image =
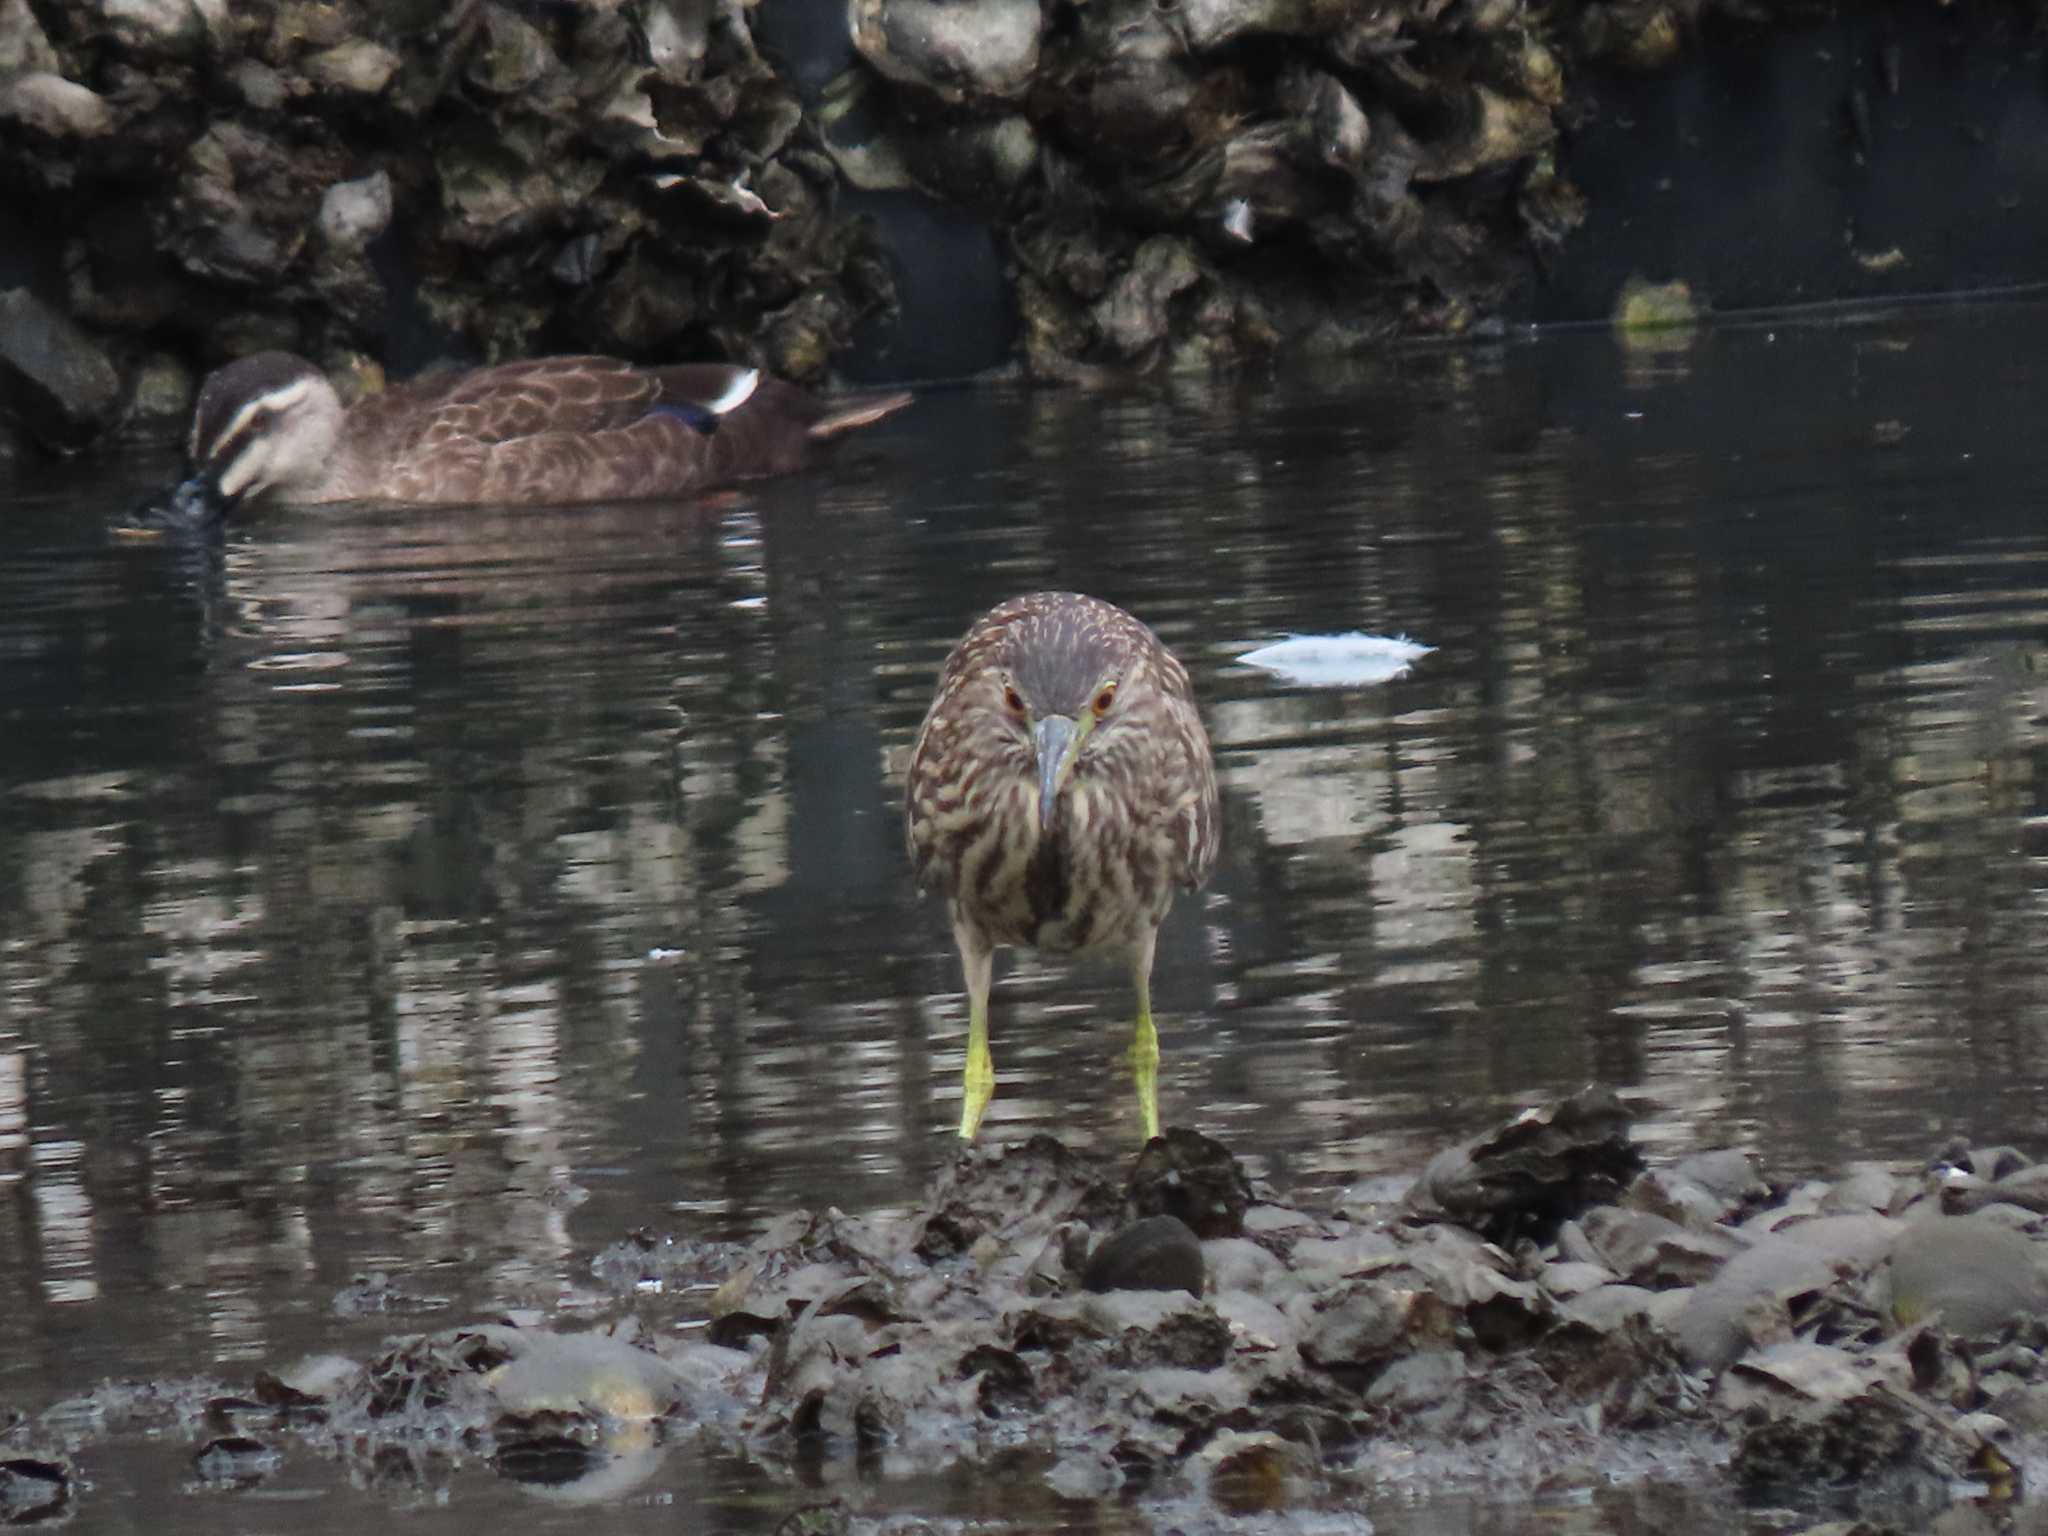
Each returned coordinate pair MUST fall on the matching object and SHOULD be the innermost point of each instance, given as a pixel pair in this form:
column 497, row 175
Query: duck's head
column 264, row 423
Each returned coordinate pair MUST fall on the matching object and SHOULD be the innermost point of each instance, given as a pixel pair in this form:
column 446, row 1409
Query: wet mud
column 1541, row 1307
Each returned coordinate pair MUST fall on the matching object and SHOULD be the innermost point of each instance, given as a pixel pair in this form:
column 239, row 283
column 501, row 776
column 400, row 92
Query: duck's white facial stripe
column 278, row 438
column 277, row 401
column 737, row 393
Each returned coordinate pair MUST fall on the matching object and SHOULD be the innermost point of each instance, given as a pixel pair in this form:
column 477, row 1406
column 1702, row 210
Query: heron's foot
column 1145, row 1073
column 977, row 1087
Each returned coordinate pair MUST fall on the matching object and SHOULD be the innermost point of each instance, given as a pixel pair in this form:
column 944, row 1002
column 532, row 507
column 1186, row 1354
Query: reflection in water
column 450, row 892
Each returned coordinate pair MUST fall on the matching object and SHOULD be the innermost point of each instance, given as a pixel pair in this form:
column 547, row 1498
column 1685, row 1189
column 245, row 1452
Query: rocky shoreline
column 1537, row 1310
column 382, row 186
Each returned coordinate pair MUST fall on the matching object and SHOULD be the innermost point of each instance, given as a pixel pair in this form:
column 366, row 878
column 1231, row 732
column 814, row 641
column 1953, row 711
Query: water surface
column 448, row 893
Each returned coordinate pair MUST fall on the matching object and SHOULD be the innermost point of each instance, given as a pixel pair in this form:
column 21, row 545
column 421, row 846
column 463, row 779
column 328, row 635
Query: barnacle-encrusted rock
column 955, row 49
column 47, row 103
column 358, row 66
column 24, row 46
column 245, row 204
column 512, row 56
column 142, row 25
column 1134, row 317
column 1764, row 1292
column 529, row 177
column 1211, row 23
column 1341, row 1345
column 1542, row 1168
column 1974, row 1274
column 1166, row 185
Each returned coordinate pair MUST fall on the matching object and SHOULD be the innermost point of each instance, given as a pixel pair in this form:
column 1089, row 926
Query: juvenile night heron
column 1060, row 792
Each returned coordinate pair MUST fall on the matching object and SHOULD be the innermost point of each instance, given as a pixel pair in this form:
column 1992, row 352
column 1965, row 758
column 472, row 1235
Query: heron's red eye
column 1105, row 698
column 1013, row 701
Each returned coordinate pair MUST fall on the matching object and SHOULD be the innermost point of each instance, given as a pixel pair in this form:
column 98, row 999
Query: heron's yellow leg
column 1145, row 1042
column 978, row 1078
column 978, row 1081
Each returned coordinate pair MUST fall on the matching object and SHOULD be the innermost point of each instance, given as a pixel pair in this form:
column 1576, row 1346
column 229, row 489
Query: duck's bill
column 195, row 502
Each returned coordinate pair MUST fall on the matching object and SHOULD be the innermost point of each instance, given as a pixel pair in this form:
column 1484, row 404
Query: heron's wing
column 1194, row 817
column 1196, row 830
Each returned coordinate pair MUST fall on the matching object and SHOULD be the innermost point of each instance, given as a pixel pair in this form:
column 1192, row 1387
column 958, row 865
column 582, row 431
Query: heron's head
column 1070, row 673
column 264, row 423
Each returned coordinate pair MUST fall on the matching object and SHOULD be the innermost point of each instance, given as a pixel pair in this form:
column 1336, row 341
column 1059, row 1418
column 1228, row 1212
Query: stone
column 1212, row 23
column 1251, row 1473
column 513, row 56
column 53, row 376
column 1497, row 129
column 145, row 25
column 1158, row 1253
column 159, row 398
column 1329, row 1258
column 677, row 37
column 954, row 48
column 1748, row 1302
column 24, row 47
column 353, row 213
column 244, row 203
column 582, row 1374
column 1238, row 1263
column 1361, row 1325
column 259, row 85
column 1604, row 1308
column 1654, row 1251
column 1417, row 1381
column 1256, row 1324
column 1535, row 1172
column 1570, row 1278
column 1662, row 1192
column 50, row 104
column 360, row 66
column 1133, row 318
column 1863, row 1187
column 1974, row 1274
column 34, row 1489
column 1193, row 1177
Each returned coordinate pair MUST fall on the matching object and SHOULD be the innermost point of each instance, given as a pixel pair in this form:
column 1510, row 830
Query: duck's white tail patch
column 735, row 394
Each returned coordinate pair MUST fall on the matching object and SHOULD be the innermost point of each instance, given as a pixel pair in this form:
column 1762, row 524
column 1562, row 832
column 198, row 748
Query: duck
column 270, row 427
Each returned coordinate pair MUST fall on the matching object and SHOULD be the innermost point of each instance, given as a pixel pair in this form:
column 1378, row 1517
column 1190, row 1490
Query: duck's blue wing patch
column 699, row 418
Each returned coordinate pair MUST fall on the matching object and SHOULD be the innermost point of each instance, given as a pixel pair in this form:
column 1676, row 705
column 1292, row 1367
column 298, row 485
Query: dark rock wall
column 1182, row 182
column 1879, row 151
column 939, row 185
column 408, row 180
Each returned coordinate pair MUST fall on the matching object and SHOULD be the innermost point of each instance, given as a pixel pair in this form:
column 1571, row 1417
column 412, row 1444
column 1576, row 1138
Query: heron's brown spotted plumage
column 1137, row 821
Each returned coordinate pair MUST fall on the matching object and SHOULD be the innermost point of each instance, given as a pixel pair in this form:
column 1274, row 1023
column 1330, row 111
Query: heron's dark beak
column 194, row 502
column 1058, row 741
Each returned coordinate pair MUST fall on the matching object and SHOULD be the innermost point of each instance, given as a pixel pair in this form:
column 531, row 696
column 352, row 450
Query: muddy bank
column 1117, row 184
column 1538, row 1310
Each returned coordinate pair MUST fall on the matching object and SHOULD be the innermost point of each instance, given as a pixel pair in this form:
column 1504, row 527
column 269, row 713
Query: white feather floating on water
column 1356, row 660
